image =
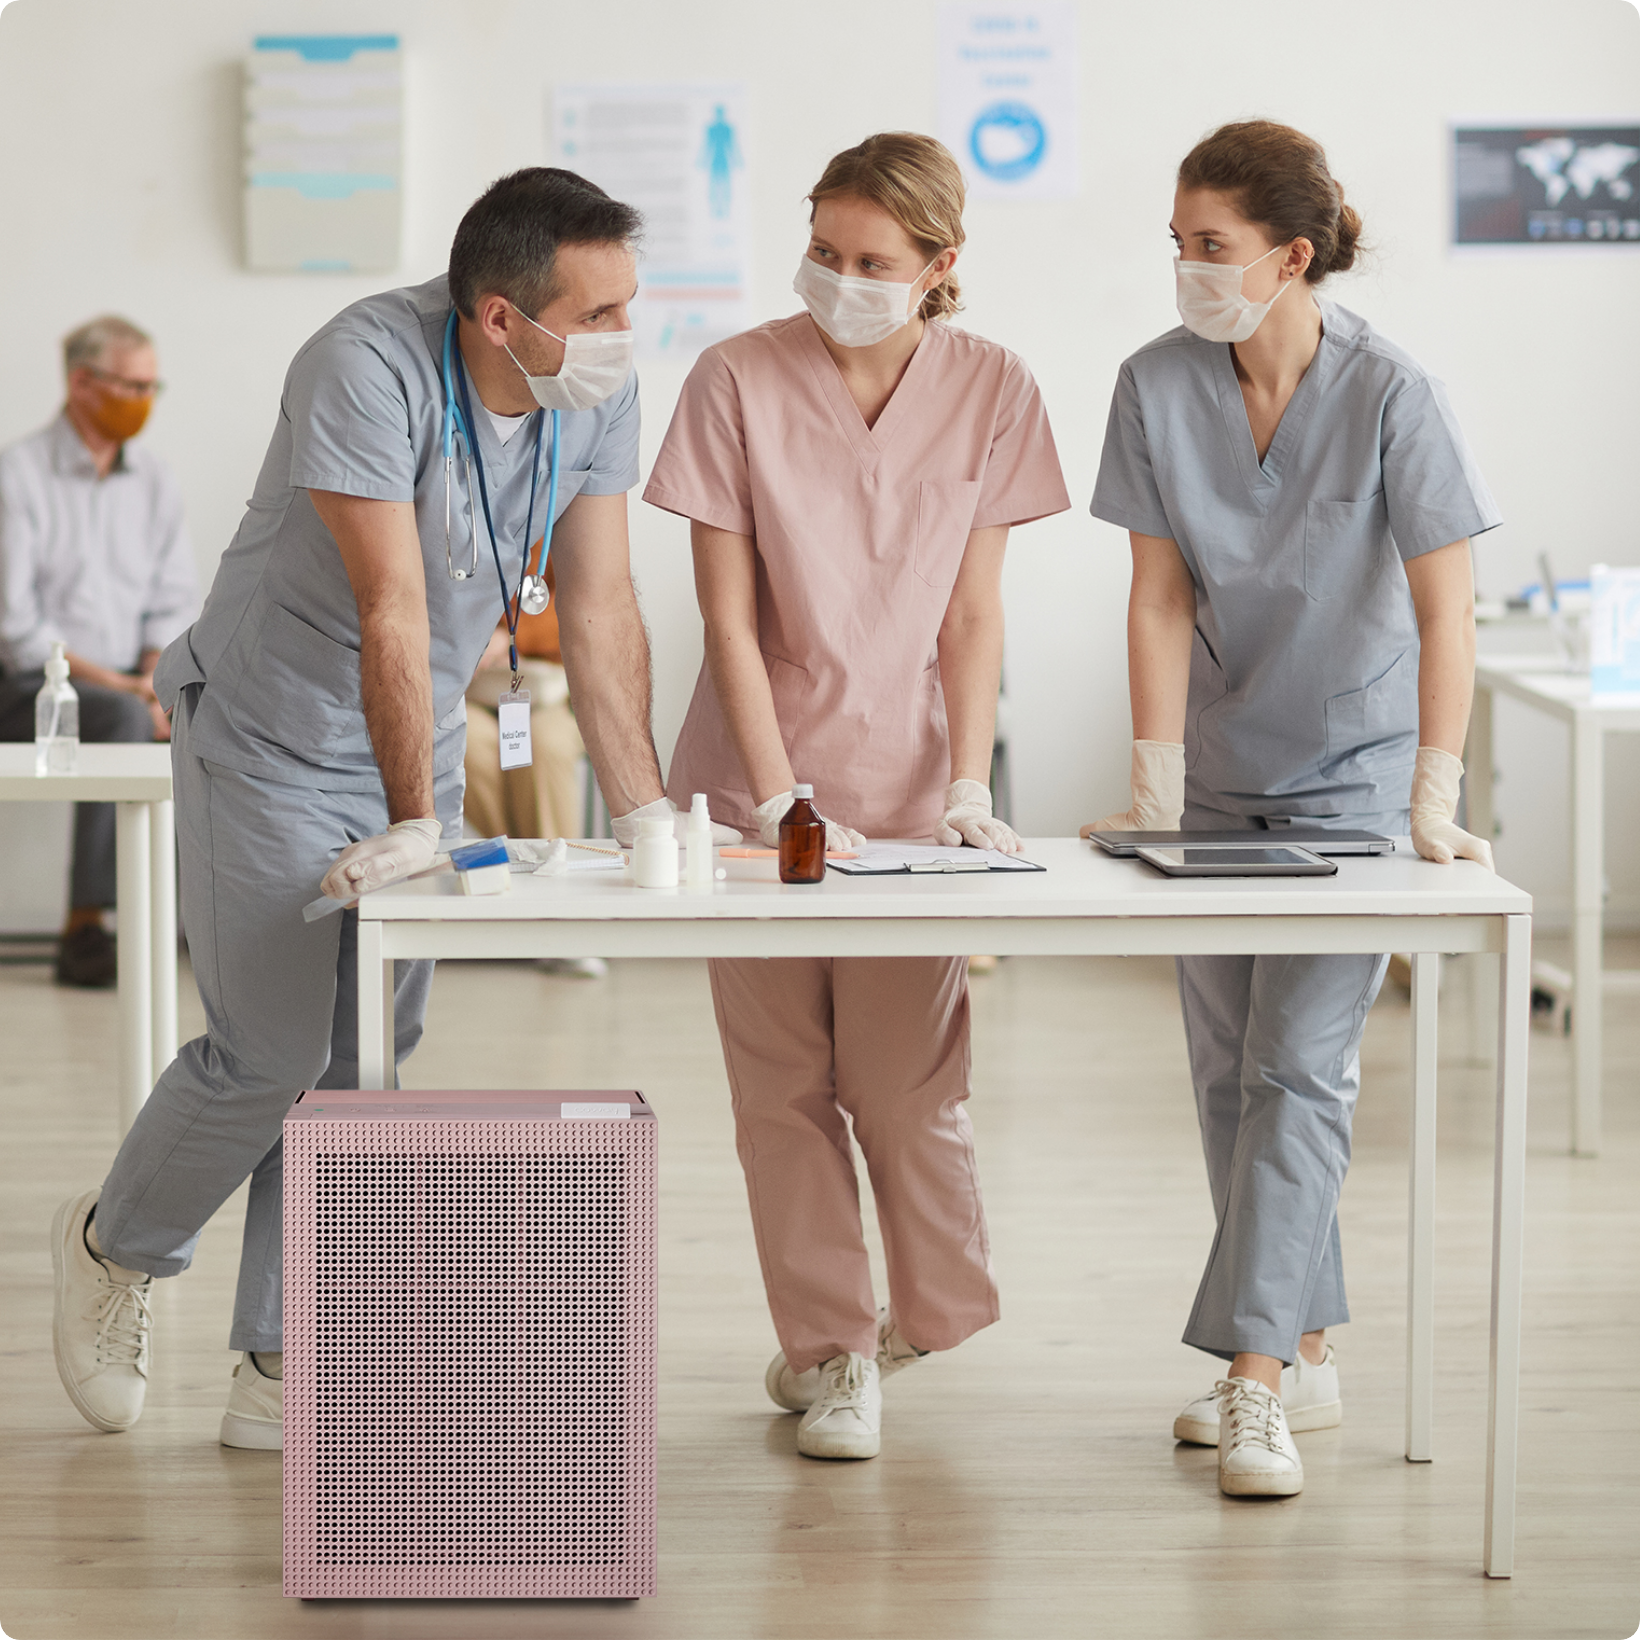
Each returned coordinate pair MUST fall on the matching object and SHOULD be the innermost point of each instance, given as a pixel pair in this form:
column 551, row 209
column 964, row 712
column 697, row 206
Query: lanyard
column 510, row 605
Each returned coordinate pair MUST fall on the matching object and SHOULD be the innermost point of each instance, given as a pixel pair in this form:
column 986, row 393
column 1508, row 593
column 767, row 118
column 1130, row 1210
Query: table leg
column 135, row 903
column 372, row 1035
column 163, row 854
column 1480, row 814
column 1508, row 1214
column 1426, row 993
column 1588, row 892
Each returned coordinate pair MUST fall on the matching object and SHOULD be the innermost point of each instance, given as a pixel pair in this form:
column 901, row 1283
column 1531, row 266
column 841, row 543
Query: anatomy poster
column 676, row 152
column 1546, row 185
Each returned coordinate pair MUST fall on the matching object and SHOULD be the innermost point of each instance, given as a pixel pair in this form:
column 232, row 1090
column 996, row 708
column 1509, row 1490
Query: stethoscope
column 532, row 593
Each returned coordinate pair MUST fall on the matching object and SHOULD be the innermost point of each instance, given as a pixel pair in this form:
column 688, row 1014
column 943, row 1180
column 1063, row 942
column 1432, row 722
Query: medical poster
column 323, row 155
column 1007, row 77
column 1546, row 185
column 1614, row 634
column 676, row 152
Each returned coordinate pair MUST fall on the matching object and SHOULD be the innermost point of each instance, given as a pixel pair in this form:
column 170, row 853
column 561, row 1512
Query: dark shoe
column 88, row 957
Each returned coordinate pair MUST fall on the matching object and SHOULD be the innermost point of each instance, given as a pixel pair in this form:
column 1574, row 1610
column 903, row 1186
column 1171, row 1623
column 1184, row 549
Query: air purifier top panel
column 523, row 1105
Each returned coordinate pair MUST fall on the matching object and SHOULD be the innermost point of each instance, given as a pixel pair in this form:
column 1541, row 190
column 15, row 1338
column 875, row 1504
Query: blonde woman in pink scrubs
column 850, row 475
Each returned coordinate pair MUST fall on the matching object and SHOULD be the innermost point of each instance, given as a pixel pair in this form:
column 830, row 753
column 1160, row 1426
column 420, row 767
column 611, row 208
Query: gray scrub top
column 277, row 644
column 1304, row 667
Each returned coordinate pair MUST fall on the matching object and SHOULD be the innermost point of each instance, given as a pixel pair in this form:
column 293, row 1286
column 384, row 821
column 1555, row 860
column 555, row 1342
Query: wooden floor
column 1028, row 1485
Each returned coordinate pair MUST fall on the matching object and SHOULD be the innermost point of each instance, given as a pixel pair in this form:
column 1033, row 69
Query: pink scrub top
column 860, row 532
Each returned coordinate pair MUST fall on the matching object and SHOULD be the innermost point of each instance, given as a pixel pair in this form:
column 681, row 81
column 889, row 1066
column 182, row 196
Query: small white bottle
column 655, row 855
column 698, row 861
column 56, row 719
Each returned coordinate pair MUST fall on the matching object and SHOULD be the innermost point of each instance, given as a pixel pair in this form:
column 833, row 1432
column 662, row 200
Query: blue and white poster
column 676, row 152
column 1008, row 98
column 323, row 153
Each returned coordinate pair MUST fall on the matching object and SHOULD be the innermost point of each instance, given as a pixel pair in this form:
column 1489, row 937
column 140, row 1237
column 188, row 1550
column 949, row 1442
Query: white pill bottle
column 655, row 855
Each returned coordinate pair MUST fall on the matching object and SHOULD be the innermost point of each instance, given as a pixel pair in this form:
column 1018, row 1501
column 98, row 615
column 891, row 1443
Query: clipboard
column 928, row 860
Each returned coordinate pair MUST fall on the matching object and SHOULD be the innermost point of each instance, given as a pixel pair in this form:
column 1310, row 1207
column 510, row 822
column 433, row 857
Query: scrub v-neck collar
column 1264, row 477
column 868, row 443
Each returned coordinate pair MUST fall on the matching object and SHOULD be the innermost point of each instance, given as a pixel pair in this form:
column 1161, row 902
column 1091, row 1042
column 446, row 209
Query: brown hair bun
column 1278, row 178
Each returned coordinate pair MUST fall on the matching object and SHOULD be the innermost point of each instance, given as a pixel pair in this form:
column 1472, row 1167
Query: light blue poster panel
column 323, row 153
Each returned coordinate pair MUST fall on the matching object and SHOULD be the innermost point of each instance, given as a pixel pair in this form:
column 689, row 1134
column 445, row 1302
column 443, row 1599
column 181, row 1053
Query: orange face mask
column 119, row 416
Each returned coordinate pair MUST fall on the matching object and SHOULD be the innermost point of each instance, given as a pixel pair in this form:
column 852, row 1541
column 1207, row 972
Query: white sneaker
column 99, row 1329
column 255, row 1418
column 1309, row 1398
column 796, row 1391
column 1259, row 1459
column 846, row 1420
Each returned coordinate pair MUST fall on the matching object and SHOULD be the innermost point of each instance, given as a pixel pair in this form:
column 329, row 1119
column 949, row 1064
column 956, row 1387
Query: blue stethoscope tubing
column 461, row 415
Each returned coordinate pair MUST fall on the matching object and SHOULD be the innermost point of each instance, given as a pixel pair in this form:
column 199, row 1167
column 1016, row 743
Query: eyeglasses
column 126, row 386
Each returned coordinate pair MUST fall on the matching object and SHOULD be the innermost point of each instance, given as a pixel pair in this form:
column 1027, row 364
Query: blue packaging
column 470, row 856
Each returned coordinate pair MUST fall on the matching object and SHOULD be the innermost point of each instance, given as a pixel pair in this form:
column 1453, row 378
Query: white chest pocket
column 1343, row 545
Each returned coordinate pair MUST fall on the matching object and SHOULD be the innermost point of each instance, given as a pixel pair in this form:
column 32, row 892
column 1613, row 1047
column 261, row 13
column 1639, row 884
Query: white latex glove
column 625, row 826
column 1158, row 790
column 401, row 851
column 968, row 819
column 1435, row 778
column 839, row 839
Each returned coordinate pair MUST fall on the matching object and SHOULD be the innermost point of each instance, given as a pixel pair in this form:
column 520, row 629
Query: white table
column 1543, row 683
column 137, row 780
column 1085, row 904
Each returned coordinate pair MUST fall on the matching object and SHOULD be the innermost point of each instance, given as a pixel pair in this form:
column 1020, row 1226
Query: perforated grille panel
column 469, row 1356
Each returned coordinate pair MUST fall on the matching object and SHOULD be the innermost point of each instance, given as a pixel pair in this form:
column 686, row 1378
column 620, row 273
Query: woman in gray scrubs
column 1300, row 650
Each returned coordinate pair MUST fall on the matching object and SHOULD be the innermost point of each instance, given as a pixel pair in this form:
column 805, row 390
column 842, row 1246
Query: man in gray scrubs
column 319, row 722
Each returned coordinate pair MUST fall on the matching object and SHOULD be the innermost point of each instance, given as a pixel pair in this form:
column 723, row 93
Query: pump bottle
column 802, row 840
column 56, row 719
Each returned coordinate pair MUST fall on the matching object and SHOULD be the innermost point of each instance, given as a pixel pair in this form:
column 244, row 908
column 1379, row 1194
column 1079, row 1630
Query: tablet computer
column 1124, row 844
column 1214, row 860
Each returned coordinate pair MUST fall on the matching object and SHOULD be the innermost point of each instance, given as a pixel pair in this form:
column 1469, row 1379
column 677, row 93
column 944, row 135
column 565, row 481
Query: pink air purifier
column 470, row 1345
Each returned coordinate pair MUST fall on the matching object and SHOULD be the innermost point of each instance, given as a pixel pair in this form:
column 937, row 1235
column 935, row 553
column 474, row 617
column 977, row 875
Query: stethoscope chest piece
column 534, row 596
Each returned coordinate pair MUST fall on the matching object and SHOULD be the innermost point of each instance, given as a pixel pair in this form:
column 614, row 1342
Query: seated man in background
column 544, row 799
column 94, row 554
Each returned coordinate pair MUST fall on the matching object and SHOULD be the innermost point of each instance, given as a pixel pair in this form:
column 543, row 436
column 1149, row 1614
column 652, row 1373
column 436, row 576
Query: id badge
column 514, row 712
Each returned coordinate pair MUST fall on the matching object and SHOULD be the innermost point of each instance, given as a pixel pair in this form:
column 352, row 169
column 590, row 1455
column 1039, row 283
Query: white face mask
column 1211, row 302
column 856, row 312
column 596, row 364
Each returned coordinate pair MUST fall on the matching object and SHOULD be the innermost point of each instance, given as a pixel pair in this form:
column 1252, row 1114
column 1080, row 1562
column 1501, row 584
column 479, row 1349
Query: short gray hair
column 92, row 340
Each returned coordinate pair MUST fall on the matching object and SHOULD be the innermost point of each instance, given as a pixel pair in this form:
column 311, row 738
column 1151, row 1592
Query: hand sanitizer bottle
column 56, row 719
column 698, row 862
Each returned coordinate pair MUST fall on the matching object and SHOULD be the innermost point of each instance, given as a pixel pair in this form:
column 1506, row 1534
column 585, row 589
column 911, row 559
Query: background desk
column 1542, row 683
column 137, row 780
column 1085, row 904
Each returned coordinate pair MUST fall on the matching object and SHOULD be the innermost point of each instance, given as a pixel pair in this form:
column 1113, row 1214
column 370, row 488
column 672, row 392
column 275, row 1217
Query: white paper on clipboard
column 916, row 859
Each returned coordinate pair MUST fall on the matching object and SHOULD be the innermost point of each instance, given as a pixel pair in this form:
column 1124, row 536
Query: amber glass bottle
column 802, row 840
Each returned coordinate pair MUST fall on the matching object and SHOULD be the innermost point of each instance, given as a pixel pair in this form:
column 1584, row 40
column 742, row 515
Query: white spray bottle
column 698, row 861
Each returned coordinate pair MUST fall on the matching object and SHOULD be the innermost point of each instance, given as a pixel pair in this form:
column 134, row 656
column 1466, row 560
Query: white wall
column 119, row 132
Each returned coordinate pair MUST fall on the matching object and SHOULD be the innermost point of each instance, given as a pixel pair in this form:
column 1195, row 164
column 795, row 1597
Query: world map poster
column 1546, row 185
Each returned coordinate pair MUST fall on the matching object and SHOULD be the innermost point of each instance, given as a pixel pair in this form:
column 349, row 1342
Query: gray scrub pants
column 1275, row 1055
column 105, row 715
column 279, row 1016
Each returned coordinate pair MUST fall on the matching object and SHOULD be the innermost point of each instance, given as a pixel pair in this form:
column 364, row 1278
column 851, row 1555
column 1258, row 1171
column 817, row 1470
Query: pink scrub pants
column 811, row 1044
